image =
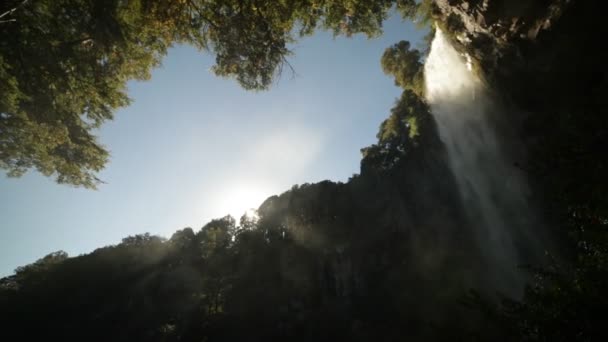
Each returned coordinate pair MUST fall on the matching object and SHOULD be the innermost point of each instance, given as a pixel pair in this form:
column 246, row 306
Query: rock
column 488, row 30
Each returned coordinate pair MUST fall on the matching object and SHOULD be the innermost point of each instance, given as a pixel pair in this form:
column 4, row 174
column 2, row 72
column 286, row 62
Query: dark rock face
column 501, row 19
column 489, row 30
column 547, row 59
column 545, row 56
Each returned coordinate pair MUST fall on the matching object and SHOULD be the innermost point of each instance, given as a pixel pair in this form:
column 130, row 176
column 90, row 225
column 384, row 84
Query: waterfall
column 492, row 190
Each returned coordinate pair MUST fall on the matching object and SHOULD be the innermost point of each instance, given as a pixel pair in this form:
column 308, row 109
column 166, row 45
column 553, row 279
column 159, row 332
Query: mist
column 477, row 213
column 492, row 189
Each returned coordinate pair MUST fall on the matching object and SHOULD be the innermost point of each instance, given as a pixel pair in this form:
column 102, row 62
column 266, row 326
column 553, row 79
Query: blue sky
column 193, row 147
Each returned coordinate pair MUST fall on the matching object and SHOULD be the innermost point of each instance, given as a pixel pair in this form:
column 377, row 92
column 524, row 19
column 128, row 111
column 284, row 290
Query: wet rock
column 491, row 30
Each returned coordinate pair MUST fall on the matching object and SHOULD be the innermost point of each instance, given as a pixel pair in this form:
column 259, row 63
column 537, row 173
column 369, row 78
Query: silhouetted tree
column 64, row 64
column 404, row 64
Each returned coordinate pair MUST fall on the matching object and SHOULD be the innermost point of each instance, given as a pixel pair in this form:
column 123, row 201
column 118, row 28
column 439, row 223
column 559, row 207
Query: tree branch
column 202, row 15
column 11, row 11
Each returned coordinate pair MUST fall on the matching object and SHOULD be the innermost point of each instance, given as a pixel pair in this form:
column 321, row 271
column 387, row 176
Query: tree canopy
column 321, row 261
column 64, row 64
column 404, row 64
column 388, row 255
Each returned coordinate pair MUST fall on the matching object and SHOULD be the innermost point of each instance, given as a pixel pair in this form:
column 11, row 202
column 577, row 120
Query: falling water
column 491, row 189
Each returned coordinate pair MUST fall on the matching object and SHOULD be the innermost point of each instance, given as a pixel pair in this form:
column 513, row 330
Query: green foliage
column 64, row 69
column 217, row 235
column 407, row 8
column 386, row 256
column 305, row 269
column 42, row 265
column 404, row 64
column 340, row 261
column 419, row 11
column 410, row 118
column 64, row 64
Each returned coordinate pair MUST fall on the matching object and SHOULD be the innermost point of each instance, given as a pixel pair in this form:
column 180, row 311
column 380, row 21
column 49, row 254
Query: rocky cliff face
column 546, row 60
column 544, row 56
column 490, row 30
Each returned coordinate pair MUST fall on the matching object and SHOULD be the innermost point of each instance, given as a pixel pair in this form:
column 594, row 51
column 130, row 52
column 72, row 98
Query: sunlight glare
column 243, row 200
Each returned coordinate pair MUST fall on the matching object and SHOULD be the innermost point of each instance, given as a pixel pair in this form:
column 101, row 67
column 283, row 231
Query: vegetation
column 405, row 66
column 321, row 261
column 386, row 256
column 566, row 138
column 64, row 64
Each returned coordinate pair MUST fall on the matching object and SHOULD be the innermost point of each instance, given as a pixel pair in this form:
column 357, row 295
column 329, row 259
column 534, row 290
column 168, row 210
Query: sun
column 251, row 214
column 243, row 200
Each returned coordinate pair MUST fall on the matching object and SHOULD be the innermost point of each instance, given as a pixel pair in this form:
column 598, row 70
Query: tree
column 217, row 235
column 409, row 122
column 64, row 64
column 43, row 264
column 566, row 299
column 63, row 70
column 404, row 64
